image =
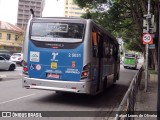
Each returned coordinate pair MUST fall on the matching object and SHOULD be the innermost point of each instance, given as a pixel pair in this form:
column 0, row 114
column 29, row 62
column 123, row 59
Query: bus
column 69, row 55
column 130, row 60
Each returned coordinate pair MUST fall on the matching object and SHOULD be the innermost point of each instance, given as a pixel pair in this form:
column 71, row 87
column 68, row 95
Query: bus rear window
column 129, row 55
column 57, row 32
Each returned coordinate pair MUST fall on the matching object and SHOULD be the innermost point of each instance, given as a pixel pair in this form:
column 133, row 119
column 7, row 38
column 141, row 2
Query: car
column 7, row 64
column 5, row 55
column 17, row 57
column 130, row 60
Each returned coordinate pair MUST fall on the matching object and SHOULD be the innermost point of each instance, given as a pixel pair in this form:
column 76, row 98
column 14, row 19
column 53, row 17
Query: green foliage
column 91, row 3
column 119, row 17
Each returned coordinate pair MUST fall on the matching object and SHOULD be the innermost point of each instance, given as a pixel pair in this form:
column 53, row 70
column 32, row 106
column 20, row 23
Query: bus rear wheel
column 125, row 67
column 104, row 84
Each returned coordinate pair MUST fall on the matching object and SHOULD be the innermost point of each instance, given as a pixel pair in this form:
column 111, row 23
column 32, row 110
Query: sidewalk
column 147, row 101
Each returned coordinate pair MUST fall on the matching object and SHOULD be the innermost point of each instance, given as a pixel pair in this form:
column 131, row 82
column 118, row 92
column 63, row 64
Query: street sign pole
column 146, row 66
column 146, row 69
column 158, row 96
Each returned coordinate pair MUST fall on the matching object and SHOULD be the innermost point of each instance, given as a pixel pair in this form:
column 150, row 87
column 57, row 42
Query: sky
column 8, row 12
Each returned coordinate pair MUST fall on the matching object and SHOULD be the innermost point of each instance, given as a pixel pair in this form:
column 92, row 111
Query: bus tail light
column 85, row 72
column 25, row 68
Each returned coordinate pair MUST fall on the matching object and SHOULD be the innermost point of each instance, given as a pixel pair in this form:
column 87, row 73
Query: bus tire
column 135, row 67
column 57, row 92
column 125, row 67
column 117, row 78
column 104, row 84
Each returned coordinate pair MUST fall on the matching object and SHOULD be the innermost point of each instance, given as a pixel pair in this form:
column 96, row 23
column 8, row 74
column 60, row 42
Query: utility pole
column 158, row 98
column 148, row 16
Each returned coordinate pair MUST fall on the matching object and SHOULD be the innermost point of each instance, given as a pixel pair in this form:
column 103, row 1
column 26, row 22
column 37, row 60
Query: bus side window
column 111, row 50
column 115, row 52
column 94, row 44
column 97, row 43
column 108, row 49
column 100, row 46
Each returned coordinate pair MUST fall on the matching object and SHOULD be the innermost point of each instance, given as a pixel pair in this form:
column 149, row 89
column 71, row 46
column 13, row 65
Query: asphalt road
column 5, row 74
column 15, row 98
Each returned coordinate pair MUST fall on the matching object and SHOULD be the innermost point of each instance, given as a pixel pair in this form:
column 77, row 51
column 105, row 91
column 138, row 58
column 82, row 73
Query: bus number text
column 74, row 55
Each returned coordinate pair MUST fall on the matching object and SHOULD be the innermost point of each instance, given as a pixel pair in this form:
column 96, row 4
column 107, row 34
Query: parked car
column 17, row 57
column 5, row 55
column 7, row 64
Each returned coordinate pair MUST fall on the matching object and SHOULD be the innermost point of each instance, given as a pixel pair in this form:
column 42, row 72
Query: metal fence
column 127, row 105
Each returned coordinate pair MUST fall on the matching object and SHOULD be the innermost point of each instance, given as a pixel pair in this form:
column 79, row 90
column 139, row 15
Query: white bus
column 69, row 55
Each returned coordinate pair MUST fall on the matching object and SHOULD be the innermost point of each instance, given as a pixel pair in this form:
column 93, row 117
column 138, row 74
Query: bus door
column 116, row 62
column 109, row 61
column 98, row 54
column 100, row 64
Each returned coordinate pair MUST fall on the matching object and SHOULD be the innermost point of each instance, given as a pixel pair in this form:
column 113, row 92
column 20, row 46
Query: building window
column 38, row 3
column 0, row 35
column 8, row 36
column 37, row 12
column 67, row 2
column 16, row 37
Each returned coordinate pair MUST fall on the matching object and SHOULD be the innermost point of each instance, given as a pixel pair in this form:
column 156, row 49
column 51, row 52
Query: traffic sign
column 147, row 38
column 152, row 46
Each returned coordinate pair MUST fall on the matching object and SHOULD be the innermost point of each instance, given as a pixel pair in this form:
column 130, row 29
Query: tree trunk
column 152, row 60
column 155, row 60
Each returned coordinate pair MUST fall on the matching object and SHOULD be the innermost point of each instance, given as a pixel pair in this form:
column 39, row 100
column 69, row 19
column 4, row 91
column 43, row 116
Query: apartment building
column 72, row 10
column 11, row 37
column 24, row 7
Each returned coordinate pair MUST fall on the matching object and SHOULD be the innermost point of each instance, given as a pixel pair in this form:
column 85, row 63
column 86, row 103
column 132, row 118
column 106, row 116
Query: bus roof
column 58, row 18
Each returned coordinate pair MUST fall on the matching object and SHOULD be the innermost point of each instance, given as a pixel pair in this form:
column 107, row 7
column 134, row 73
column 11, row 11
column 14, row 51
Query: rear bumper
column 127, row 65
column 66, row 86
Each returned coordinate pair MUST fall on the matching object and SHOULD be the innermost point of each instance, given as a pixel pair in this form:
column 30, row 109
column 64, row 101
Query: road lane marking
column 16, row 99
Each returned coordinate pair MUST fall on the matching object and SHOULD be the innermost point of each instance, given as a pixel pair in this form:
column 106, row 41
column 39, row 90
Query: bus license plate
column 52, row 75
column 53, row 65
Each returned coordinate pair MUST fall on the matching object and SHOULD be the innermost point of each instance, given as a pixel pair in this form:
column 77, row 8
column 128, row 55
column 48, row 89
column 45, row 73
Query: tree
column 112, row 15
column 123, row 18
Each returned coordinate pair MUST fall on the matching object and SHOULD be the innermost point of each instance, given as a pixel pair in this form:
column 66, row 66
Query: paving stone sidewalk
column 147, row 101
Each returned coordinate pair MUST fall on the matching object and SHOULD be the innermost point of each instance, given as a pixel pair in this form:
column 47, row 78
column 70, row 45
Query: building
column 72, row 10
column 11, row 37
column 24, row 7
